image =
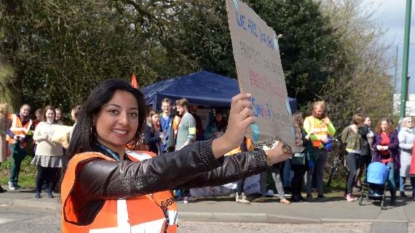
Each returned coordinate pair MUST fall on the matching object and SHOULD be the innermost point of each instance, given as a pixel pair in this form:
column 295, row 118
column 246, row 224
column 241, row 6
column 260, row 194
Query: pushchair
column 376, row 182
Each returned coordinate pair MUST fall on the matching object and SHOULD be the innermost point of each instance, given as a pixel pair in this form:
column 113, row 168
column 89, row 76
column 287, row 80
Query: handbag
column 298, row 158
column 19, row 153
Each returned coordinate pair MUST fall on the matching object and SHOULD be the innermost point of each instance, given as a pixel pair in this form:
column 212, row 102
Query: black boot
column 393, row 196
column 296, row 198
column 2, row 190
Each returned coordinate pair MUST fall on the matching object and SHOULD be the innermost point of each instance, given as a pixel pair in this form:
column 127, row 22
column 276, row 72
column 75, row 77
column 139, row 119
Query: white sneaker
column 242, row 199
column 11, row 186
column 185, row 200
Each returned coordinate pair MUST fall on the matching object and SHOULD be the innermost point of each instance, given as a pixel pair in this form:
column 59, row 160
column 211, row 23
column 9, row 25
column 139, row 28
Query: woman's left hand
column 278, row 153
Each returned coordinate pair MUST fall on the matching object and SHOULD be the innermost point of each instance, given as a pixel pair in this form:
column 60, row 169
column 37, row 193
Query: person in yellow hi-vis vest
column 321, row 129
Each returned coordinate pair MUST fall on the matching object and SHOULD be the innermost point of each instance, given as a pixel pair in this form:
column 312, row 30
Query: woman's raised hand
column 240, row 117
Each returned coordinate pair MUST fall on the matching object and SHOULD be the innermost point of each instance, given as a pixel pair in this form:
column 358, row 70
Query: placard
column 258, row 65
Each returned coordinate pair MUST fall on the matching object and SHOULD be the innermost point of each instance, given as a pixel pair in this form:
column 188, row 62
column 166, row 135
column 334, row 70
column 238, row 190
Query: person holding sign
column 322, row 128
column 108, row 188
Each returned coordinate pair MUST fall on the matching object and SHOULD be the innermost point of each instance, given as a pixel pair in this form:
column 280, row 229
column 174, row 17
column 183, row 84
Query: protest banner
column 259, row 70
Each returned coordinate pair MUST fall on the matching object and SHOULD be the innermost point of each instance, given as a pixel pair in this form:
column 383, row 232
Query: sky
column 390, row 14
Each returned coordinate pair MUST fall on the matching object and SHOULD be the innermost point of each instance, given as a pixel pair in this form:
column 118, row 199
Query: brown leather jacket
column 193, row 166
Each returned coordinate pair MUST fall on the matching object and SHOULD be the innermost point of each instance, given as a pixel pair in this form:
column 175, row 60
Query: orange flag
column 134, row 82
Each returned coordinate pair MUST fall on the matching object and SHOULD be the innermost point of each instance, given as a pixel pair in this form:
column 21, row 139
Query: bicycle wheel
column 333, row 170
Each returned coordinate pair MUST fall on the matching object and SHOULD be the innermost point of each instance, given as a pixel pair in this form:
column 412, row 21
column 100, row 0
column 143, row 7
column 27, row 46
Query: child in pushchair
column 376, row 183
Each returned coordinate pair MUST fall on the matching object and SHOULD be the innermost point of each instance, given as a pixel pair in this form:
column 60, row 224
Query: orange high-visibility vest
column 176, row 122
column 249, row 146
column 155, row 212
column 319, row 127
column 18, row 128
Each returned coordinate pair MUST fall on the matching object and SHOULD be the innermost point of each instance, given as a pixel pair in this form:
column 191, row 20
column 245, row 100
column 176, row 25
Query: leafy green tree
column 57, row 51
column 361, row 80
column 61, row 49
column 307, row 47
column 201, row 35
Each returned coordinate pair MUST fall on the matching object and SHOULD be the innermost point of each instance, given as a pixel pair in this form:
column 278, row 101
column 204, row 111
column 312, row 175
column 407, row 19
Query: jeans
column 16, row 163
column 321, row 160
column 391, row 178
column 287, row 174
column 363, row 164
column 413, row 186
column 352, row 161
column 402, row 183
column 309, row 179
column 297, row 181
column 240, row 186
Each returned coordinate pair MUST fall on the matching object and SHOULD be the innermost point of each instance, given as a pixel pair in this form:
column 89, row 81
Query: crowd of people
column 121, row 150
column 363, row 144
column 44, row 136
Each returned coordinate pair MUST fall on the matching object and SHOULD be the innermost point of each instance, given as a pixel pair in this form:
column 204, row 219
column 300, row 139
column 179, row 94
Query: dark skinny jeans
column 240, row 186
column 297, row 181
column 413, row 186
column 352, row 162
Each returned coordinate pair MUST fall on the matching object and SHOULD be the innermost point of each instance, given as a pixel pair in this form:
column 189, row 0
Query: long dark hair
column 84, row 134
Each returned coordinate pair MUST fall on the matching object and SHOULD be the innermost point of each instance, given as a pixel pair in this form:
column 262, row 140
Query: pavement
column 225, row 209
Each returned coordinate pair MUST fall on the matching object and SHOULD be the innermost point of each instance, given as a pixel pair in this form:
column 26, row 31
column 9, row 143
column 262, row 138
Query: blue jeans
column 402, row 183
column 391, row 178
column 287, row 174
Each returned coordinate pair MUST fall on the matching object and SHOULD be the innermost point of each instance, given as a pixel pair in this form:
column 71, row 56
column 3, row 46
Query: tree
column 201, row 35
column 9, row 93
column 61, row 49
column 58, row 50
column 362, row 81
column 307, row 47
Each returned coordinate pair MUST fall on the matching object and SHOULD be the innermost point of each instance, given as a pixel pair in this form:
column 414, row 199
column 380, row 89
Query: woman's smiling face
column 117, row 121
column 384, row 125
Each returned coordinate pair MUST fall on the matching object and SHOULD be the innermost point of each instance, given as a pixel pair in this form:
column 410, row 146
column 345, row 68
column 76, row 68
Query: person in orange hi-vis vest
column 321, row 129
column 108, row 188
column 176, row 122
column 17, row 137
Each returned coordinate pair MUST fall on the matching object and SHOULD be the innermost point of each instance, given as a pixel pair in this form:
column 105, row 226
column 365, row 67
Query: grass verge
column 27, row 175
